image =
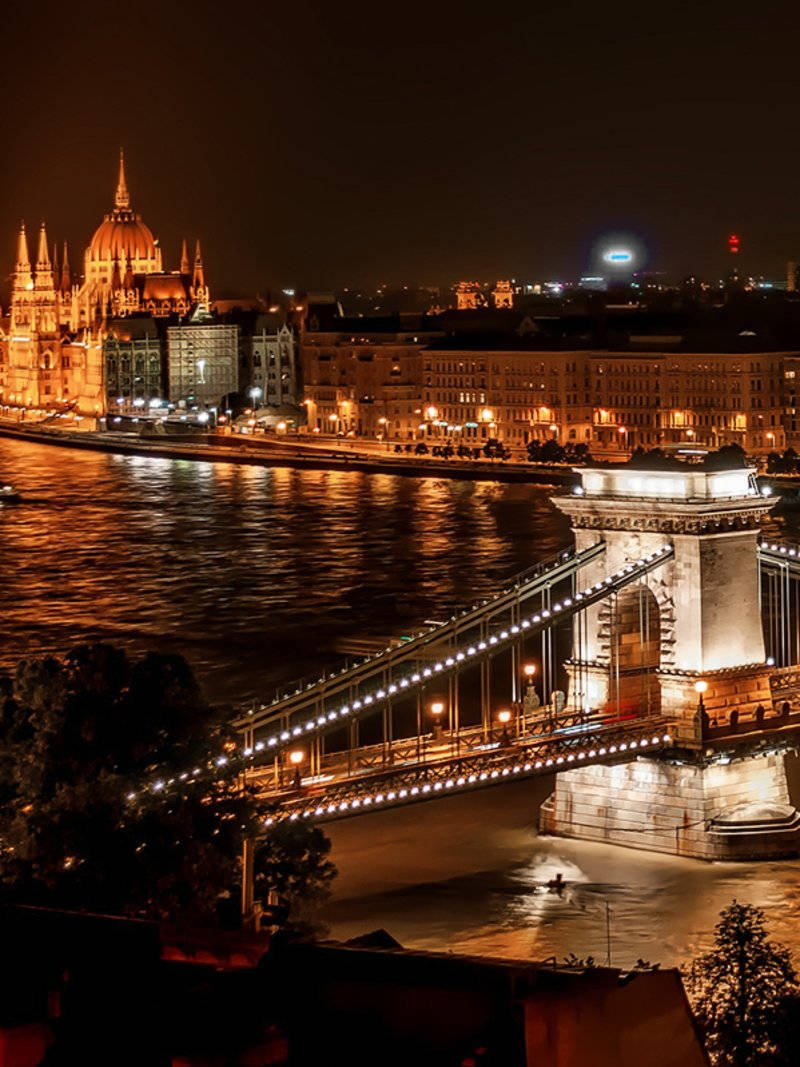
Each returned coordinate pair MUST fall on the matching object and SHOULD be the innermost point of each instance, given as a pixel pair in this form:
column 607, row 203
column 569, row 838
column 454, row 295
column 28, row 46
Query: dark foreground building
column 90, row 990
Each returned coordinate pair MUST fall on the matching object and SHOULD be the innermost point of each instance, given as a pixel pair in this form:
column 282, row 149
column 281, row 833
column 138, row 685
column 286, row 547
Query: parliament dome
column 122, row 236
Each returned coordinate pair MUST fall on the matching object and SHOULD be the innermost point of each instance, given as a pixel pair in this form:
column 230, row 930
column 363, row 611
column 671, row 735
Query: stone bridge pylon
column 686, row 641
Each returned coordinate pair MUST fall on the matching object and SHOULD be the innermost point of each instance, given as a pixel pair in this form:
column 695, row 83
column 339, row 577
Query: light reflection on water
column 260, row 575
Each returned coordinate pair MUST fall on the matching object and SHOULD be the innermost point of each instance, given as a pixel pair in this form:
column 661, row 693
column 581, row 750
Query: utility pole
column 608, row 935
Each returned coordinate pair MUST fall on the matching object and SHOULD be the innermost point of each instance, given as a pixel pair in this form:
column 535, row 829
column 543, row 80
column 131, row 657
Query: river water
column 261, row 575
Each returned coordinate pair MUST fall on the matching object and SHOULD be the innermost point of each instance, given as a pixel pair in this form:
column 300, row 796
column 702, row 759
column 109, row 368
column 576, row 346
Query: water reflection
column 258, row 575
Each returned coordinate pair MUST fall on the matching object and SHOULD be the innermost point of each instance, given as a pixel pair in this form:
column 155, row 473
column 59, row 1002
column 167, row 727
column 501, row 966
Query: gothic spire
column 198, row 281
column 22, row 277
column 116, row 277
column 43, row 256
column 122, row 199
column 23, row 259
column 184, row 258
column 65, row 273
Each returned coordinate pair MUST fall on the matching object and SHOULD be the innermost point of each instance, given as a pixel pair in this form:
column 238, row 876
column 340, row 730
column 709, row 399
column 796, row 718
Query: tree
column 293, row 862
column 79, row 737
column 742, row 990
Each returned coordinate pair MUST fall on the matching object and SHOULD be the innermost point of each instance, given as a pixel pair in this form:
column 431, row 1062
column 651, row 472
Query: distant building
column 503, row 295
column 469, row 296
column 53, row 355
column 202, row 361
column 43, row 365
column 133, row 356
column 365, row 377
column 650, row 392
column 274, row 359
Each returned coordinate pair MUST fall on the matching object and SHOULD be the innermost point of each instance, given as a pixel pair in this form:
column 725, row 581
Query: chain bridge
column 651, row 670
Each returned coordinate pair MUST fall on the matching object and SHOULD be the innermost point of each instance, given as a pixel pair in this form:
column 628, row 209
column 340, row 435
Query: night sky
column 324, row 144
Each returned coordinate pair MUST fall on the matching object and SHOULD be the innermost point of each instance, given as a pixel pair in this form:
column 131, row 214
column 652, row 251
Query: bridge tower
column 696, row 619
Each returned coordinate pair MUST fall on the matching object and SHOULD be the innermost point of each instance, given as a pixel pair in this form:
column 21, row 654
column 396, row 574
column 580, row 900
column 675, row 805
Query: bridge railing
column 457, row 773
column 568, row 727
column 329, row 684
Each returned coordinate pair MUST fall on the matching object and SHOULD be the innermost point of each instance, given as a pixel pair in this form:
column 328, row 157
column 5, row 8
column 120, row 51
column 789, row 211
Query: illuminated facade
column 503, row 295
column 41, row 364
column 123, row 271
column 364, row 381
column 51, row 355
column 612, row 401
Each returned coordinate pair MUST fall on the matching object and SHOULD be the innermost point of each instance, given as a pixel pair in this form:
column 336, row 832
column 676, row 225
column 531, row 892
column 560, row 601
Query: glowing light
column 618, row 256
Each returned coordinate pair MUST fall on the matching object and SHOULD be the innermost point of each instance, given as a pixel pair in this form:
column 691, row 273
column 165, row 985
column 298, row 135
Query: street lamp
column 700, row 687
column 437, row 710
column 296, row 757
column 255, row 392
column 504, row 717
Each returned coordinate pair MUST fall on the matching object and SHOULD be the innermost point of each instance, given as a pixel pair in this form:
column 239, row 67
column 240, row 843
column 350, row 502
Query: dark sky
column 321, row 143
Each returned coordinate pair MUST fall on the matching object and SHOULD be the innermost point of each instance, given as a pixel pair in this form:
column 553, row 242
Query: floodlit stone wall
column 663, row 807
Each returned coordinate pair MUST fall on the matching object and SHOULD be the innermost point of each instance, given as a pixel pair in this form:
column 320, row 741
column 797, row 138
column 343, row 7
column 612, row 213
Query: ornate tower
column 199, row 290
column 503, row 295
column 468, row 296
column 121, row 234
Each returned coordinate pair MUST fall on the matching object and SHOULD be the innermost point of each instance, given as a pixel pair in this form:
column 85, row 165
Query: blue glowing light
column 618, row 255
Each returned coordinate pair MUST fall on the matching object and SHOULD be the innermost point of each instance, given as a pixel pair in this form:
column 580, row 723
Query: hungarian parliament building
column 52, row 340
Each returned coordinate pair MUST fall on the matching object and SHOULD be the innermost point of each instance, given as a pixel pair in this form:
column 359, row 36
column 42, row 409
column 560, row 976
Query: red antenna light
column 733, row 244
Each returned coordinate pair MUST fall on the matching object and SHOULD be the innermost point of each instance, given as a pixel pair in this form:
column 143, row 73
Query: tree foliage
column 293, row 861
column 743, row 992
column 78, row 737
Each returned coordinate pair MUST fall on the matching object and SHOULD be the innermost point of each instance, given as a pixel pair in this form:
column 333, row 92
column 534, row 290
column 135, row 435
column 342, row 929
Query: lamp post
column 255, row 392
column 530, row 700
column 504, row 718
column 700, row 687
column 296, row 757
column 437, row 710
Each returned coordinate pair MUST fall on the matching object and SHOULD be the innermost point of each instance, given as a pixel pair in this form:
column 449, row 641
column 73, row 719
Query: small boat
column 9, row 495
column 557, row 884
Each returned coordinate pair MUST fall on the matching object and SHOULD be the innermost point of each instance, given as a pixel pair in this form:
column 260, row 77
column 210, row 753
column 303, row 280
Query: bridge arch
column 635, row 631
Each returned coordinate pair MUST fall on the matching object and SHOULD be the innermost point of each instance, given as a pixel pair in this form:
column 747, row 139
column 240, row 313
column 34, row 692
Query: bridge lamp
column 437, row 708
column 296, row 757
column 700, row 688
column 504, row 718
column 529, row 670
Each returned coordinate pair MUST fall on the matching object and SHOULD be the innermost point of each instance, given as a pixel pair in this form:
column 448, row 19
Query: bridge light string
column 242, row 757
column 448, row 781
column 539, row 571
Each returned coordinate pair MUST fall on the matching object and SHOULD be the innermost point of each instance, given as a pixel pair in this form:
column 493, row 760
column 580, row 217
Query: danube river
column 260, row 575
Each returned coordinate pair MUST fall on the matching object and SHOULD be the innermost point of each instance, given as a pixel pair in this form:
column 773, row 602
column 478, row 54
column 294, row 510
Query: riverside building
column 52, row 348
column 613, row 401
column 364, row 377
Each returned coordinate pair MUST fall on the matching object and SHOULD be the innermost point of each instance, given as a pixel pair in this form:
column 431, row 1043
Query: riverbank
column 214, row 448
